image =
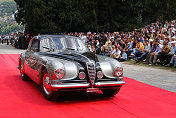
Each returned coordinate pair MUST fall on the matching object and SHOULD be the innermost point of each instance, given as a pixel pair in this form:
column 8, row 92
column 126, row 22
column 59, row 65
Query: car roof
column 50, row 36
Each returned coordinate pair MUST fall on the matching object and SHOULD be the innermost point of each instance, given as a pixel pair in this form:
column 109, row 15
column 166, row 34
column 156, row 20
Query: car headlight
column 118, row 72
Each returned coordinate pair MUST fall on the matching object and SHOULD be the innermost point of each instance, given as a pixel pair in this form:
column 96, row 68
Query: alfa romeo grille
column 91, row 72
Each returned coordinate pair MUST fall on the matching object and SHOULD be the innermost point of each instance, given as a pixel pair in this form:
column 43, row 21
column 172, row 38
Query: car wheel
column 23, row 75
column 46, row 89
column 110, row 92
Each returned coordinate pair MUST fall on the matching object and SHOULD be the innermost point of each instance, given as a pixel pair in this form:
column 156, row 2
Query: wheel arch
column 19, row 63
column 20, row 59
column 40, row 74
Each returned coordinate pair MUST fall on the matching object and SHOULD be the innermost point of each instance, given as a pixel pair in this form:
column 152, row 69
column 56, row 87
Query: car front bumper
column 84, row 86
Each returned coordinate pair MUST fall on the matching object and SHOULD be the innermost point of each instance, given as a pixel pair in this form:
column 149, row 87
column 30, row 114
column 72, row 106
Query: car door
column 32, row 59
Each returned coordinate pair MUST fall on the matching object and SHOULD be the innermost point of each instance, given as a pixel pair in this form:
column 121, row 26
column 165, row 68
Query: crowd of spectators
column 153, row 44
column 18, row 40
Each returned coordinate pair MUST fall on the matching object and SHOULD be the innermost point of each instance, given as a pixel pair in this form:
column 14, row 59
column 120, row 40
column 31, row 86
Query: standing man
column 20, row 40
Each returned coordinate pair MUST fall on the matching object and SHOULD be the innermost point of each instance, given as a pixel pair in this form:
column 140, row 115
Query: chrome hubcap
column 46, row 86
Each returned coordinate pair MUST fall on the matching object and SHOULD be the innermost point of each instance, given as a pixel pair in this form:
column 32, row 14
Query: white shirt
column 124, row 56
column 158, row 49
column 173, row 49
column 147, row 47
column 113, row 51
column 118, row 52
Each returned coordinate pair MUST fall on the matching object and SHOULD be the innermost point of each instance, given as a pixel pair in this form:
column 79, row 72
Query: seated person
column 124, row 56
column 107, row 42
column 113, row 51
column 173, row 49
column 165, row 56
column 146, row 50
column 108, row 49
column 139, row 49
column 107, row 53
column 117, row 54
column 155, row 53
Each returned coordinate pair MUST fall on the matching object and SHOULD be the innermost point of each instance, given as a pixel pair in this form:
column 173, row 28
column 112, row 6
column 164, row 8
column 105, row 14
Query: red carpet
column 19, row 99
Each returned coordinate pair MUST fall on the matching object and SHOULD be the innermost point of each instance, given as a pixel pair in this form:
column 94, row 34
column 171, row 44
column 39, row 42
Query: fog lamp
column 100, row 74
column 82, row 75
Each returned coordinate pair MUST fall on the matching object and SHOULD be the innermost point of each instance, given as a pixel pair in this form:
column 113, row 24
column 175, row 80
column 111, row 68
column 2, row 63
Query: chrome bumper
column 84, row 86
column 108, row 84
column 71, row 85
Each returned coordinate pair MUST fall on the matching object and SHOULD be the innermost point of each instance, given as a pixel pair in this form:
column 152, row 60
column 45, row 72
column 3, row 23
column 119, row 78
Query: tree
column 43, row 16
column 52, row 17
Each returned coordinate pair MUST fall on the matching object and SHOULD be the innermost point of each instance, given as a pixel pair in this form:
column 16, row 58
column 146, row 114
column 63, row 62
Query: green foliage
column 7, row 8
column 9, row 27
column 54, row 16
column 8, row 24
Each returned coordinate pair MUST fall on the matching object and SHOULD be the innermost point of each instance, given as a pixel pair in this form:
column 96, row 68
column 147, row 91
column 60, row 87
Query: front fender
column 108, row 65
column 70, row 68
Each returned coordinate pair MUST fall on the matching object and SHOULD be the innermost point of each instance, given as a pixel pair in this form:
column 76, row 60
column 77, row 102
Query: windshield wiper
column 49, row 49
column 70, row 49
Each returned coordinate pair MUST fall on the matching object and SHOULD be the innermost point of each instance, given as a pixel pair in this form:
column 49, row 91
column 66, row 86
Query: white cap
column 151, row 40
column 172, row 42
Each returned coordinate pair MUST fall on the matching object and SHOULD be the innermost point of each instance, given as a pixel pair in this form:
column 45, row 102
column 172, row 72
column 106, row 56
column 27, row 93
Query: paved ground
column 157, row 77
column 165, row 79
column 8, row 49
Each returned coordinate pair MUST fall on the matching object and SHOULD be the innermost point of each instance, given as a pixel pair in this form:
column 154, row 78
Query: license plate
column 92, row 89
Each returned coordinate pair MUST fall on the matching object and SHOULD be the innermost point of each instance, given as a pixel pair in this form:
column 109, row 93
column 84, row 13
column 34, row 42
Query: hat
column 151, row 40
column 172, row 42
column 173, row 37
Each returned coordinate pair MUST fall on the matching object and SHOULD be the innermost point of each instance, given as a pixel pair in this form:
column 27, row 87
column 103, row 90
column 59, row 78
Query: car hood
column 81, row 57
column 107, row 64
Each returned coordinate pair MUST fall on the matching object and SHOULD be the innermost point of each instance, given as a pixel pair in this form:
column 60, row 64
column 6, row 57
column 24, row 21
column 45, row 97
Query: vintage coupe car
column 63, row 63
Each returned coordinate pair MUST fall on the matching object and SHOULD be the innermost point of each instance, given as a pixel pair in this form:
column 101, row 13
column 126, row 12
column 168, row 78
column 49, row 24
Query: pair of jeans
column 143, row 56
column 138, row 53
column 174, row 61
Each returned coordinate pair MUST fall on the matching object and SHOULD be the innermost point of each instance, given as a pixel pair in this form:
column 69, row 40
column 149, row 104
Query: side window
column 34, row 45
column 50, row 44
column 45, row 45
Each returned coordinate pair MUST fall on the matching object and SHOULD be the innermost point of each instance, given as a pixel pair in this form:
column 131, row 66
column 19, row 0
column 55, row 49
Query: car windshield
column 55, row 44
